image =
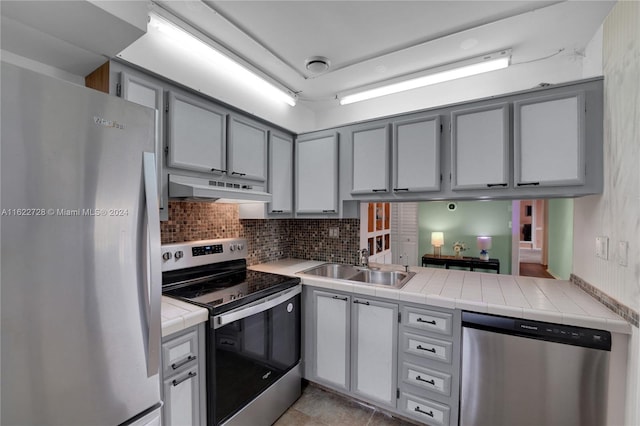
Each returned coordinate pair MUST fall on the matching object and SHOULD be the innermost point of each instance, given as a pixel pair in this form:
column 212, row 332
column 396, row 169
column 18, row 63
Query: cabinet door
column 480, row 147
column 197, row 135
column 416, row 155
column 317, row 174
column 549, row 141
column 332, row 334
column 374, row 350
column 247, row 149
column 370, row 159
column 182, row 401
column 149, row 94
column 280, row 180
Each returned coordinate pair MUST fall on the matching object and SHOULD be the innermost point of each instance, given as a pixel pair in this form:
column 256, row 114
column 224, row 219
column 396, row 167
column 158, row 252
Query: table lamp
column 484, row 244
column 437, row 241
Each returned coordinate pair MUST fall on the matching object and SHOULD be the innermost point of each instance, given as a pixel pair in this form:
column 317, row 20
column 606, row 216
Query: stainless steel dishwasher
column 519, row 372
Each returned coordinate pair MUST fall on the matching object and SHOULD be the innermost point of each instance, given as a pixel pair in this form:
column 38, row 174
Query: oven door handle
column 256, row 307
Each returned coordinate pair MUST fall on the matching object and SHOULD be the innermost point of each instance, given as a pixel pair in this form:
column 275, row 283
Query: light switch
column 602, row 247
column 623, row 253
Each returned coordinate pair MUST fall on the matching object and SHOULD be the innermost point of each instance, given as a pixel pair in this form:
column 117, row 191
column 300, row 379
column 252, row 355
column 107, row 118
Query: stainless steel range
column 253, row 339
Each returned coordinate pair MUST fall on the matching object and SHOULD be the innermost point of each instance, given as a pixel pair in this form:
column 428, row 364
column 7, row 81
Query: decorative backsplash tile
column 267, row 240
column 618, row 308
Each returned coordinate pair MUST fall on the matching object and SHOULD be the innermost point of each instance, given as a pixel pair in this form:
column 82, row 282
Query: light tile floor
column 317, row 407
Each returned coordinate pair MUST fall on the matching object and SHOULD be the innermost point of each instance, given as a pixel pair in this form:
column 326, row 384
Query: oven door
column 254, row 346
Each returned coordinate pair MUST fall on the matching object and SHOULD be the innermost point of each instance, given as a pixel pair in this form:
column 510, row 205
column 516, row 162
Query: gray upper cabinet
column 370, row 159
column 416, row 155
column 196, row 134
column 145, row 92
column 247, row 149
column 280, row 180
column 317, row 174
column 480, row 147
column 549, row 140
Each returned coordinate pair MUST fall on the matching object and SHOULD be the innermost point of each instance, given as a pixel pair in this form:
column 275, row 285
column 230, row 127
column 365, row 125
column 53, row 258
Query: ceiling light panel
column 466, row 68
column 220, row 61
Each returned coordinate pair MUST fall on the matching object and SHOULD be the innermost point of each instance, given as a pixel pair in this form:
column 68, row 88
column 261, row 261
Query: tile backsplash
column 267, row 240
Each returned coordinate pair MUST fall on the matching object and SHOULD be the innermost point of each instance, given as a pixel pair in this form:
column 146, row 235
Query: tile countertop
column 537, row 299
column 178, row 315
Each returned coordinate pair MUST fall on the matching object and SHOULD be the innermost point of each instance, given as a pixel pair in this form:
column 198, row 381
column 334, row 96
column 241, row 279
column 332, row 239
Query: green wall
column 469, row 220
column 561, row 237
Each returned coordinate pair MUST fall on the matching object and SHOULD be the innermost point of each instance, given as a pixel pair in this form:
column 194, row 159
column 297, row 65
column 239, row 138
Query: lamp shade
column 437, row 239
column 484, row 243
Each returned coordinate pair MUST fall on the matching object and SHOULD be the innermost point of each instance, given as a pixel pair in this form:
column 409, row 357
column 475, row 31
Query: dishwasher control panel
column 559, row 333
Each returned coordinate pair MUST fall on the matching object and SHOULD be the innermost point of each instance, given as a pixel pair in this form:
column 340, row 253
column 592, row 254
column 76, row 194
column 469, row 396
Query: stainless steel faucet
column 364, row 257
column 405, row 261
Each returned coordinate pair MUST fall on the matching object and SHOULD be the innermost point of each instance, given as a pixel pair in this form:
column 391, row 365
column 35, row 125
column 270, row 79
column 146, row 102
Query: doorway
column 530, row 237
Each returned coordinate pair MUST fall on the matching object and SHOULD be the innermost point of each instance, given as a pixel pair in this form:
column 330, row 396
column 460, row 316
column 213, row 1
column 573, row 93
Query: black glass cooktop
column 224, row 286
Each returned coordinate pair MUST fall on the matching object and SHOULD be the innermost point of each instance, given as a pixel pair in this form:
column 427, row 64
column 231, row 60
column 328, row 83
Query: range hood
column 214, row 191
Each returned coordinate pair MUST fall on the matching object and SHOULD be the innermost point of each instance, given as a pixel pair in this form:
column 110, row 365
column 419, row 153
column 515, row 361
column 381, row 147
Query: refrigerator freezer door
column 75, row 323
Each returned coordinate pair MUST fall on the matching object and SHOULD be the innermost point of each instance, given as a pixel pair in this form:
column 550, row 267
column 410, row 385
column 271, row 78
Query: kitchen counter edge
column 508, row 289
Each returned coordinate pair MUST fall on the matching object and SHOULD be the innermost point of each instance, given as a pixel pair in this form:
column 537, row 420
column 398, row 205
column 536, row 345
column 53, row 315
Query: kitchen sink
column 339, row 271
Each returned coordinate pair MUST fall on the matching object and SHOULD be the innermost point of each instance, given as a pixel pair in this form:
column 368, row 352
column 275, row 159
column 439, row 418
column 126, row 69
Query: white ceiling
column 370, row 41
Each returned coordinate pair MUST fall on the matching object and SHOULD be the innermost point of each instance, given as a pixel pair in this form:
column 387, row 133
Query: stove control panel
column 203, row 252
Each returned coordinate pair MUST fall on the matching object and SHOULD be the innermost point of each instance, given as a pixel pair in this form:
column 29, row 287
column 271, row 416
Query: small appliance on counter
column 253, row 338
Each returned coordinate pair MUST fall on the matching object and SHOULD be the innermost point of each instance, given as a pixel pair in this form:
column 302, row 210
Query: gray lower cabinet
column 183, row 377
column 351, row 345
column 429, row 364
column 404, row 358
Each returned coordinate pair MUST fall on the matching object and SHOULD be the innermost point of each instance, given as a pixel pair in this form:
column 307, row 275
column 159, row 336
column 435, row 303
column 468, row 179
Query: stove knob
column 166, row 255
column 232, row 247
column 240, row 247
column 232, row 297
column 240, row 295
column 179, row 254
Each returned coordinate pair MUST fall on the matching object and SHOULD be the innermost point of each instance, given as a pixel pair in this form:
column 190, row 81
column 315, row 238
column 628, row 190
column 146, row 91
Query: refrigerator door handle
column 154, row 278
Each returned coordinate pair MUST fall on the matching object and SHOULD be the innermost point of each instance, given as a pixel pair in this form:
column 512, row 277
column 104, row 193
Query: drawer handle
column 432, row 350
column 379, row 190
column 432, row 382
column 187, row 377
column 401, row 189
column 362, row 303
column 432, row 322
column 340, row 298
column 238, row 173
column 277, row 211
column 329, row 211
column 428, row 413
column 219, row 170
column 529, row 184
column 491, row 185
column 188, row 359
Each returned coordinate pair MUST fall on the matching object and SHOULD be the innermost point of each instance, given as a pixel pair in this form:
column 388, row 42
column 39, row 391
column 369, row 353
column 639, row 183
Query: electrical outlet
column 602, row 247
column 623, row 253
column 334, row 232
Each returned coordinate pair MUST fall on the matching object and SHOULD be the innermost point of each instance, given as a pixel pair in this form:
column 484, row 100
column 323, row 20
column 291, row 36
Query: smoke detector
column 317, row 64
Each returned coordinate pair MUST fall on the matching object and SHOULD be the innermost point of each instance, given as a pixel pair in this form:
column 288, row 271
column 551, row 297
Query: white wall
column 615, row 213
column 23, row 62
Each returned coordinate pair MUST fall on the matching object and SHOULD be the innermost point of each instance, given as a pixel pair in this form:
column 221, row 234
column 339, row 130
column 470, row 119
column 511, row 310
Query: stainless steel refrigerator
column 80, row 281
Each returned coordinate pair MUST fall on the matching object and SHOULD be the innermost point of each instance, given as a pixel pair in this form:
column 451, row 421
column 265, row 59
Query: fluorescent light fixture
column 469, row 67
column 218, row 59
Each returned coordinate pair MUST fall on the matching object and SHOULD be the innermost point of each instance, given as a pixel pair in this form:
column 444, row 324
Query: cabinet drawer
column 426, row 347
column 426, row 378
column 424, row 410
column 179, row 352
column 431, row 321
